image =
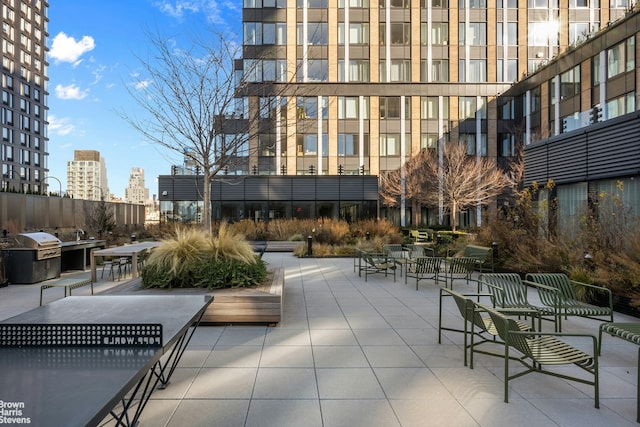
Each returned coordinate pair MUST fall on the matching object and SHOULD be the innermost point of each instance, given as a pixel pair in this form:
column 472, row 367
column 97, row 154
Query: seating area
column 356, row 353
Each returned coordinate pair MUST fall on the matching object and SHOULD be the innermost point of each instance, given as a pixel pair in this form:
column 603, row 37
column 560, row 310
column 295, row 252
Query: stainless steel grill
column 46, row 246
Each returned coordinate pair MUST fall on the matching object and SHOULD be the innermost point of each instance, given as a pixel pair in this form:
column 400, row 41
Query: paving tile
column 358, row 413
column 223, row 383
column 285, row 383
column 286, row 356
column 284, row 413
column 339, row 357
column 333, row 337
column 234, row 356
column 198, row 413
column 348, row 383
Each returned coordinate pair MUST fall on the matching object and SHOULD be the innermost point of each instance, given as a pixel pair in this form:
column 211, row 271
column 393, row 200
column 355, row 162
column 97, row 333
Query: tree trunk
column 206, row 200
column 454, row 215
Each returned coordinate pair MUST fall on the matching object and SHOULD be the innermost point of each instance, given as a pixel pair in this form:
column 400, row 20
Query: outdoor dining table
column 132, row 250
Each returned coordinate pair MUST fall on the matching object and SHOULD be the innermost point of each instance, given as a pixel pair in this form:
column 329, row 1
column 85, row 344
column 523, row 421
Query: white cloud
column 178, row 8
column 68, row 49
column 70, row 92
column 60, row 127
column 142, row 84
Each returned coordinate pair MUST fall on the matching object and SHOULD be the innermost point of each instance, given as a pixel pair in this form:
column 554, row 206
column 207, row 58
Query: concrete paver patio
column 355, row 353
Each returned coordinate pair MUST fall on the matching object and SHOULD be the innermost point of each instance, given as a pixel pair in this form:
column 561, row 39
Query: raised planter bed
column 260, row 304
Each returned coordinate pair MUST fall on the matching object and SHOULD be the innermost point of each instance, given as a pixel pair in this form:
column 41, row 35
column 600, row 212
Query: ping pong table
column 82, row 359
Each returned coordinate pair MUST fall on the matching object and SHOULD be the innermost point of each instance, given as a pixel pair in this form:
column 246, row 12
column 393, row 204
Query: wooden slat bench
column 69, row 284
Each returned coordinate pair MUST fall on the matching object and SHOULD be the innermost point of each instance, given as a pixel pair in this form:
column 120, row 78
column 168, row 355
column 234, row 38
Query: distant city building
column 87, row 176
column 23, row 147
column 136, row 193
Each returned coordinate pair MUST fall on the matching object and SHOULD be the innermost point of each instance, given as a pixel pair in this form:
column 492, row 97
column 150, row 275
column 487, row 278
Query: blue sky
column 94, row 46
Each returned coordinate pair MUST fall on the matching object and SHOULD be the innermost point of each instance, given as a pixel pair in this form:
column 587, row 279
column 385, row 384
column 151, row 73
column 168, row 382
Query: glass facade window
column 429, row 108
column 472, row 33
column 578, row 32
column 570, row 83
column 439, row 33
column 349, row 107
column 307, row 107
column 438, row 72
column 543, row 33
column 348, row 144
column 400, row 33
column 507, row 34
column 506, row 145
column 358, row 33
column 313, row 4
column 358, row 71
column 317, row 34
column 390, row 107
column 353, row 3
column 307, row 144
column 406, row 4
column 317, row 70
column 511, row 71
column 400, row 71
column 477, row 71
column 390, row 144
column 471, row 142
column 621, row 105
column 472, row 4
column 469, row 108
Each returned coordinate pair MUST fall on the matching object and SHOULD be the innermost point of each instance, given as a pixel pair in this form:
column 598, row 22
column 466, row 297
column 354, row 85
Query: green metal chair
column 540, row 350
column 458, row 268
column 424, row 268
column 477, row 324
column 510, row 291
column 377, row 263
column 565, row 301
column 398, row 254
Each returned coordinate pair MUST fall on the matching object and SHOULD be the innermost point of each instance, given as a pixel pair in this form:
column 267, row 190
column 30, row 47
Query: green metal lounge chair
column 458, row 268
column 377, row 263
column 565, row 300
column 422, row 268
column 477, row 324
column 397, row 254
column 540, row 350
column 510, row 291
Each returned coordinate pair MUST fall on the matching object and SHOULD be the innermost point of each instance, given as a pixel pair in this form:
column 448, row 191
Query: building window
column 477, row 71
column 570, row 83
column 507, row 4
column 307, row 144
column 506, row 145
column 511, row 72
column 390, row 144
column 543, row 4
column 400, row 33
column 354, row 3
column 349, row 107
column 358, row 33
column 469, row 108
column 579, row 31
column 307, row 107
column 439, row 33
column 313, row 4
column 429, row 108
column 543, row 33
column 317, row 34
column 267, row 144
column 406, row 4
column 439, row 70
column 358, row 71
column 430, row 140
column 621, row 58
column 470, row 140
column 507, row 33
column 400, row 71
column 621, row 105
column 475, row 36
column 390, row 107
column 348, row 144
column 473, row 4
column 317, row 70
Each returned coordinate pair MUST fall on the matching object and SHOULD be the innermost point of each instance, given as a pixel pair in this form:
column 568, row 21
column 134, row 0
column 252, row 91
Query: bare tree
column 189, row 96
column 415, row 188
column 463, row 181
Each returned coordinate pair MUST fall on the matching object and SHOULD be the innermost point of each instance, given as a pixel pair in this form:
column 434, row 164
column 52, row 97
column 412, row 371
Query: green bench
column 483, row 255
column 69, row 284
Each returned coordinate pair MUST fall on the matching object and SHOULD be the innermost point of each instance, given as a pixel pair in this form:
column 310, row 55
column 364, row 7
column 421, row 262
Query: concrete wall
column 28, row 212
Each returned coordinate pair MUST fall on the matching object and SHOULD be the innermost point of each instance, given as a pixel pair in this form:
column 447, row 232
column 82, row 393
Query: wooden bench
column 69, row 284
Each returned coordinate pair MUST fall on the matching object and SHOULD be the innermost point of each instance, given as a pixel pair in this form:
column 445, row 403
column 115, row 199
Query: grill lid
column 37, row 240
